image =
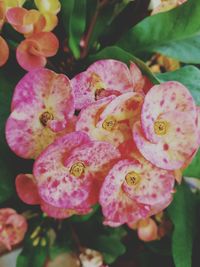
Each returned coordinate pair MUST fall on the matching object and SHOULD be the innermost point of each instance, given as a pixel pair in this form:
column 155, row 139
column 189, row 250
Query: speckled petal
column 61, row 213
column 104, row 75
column 117, row 207
column 137, row 78
column 154, row 186
column 89, row 115
column 124, row 110
column 59, row 185
column 39, row 92
column 174, row 148
column 164, row 98
column 27, row 189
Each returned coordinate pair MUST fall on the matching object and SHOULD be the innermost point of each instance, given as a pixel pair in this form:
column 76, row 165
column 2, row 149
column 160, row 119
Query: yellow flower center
column 132, row 178
column 77, row 169
column 161, row 127
column 45, row 117
column 109, row 123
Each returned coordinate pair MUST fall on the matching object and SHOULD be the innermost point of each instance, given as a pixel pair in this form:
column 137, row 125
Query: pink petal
column 123, row 111
column 27, row 189
column 174, row 148
column 155, row 184
column 61, row 213
column 58, row 185
column 117, row 207
column 39, row 92
column 164, row 98
column 137, row 78
column 12, row 227
column 89, row 115
column 110, row 75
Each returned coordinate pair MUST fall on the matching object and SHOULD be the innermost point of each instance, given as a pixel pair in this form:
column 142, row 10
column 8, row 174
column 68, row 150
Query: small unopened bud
column 147, row 230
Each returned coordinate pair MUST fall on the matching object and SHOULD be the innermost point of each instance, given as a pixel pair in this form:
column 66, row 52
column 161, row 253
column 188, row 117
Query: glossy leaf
column 193, row 170
column 174, row 33
column 182, row 213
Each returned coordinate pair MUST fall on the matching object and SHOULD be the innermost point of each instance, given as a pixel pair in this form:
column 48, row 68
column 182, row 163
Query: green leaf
column 111, row 247
column 32, row 257
column 66, row 13
column 74, row 19
column 189, row 76
column 182, row 213
column 10, row 165
column 193, row 170
column 114, row 52
column 174, row 33
column 6, row 172
column 110, row 244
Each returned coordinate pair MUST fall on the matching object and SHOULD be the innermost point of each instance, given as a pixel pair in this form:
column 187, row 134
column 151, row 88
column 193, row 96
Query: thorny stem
column 86, row 40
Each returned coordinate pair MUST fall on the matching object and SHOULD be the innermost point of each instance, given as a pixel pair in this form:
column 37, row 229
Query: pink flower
column 32, row 52
column 167, row 135
column 70, row 171
column 27, row 191
column 12, row 227
column 134, row 190
column 111, row 119
column 104, row 78
column 42, row 107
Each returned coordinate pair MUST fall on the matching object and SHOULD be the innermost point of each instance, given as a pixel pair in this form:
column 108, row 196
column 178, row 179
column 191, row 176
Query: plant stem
column 86, row 40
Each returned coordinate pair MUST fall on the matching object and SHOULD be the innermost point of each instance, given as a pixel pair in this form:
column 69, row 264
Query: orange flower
column 26, row 21
column 32, row 52
column 4, row 51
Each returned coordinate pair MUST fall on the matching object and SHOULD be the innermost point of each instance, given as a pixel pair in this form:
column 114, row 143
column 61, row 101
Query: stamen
column 161, row 127
column 45, row 117
column 132, row 178
column 109, row 123
column 77, row 169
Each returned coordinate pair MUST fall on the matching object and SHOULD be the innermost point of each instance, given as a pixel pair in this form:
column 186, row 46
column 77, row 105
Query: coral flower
column 27, row 190
column 134, row 190
column 4, row 51
column 32, row 52
column 69, row 172
column 25, row 21
column 168, row 134
column 42, row 110
column 104, row 78
column 111, row 119
column 12, row 227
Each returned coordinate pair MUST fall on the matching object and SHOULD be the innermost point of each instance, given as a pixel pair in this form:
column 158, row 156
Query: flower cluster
column 12, row 228
column 124, row 150
column 36, row 26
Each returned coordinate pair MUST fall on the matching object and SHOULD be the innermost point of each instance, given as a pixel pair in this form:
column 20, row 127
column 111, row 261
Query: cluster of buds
column 36, row 26
column 124, row 151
